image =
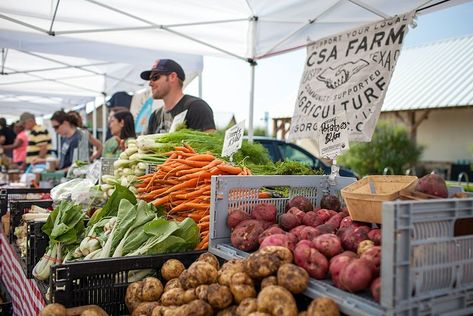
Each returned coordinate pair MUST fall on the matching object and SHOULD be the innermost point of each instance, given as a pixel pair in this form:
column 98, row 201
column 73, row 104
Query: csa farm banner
column 347, row 75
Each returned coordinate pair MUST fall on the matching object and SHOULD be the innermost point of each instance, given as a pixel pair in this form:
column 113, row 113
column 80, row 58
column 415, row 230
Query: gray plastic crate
column 242, row 191
column 107, row 166
column 427, row 252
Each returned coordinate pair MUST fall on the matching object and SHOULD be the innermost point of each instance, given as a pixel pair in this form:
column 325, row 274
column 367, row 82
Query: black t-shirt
column 9, row 135
column 199, row 115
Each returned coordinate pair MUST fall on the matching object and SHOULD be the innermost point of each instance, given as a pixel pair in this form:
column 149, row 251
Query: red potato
column 374, row 256
column 311, row 260
column 265, row 212
column 292, row 240
column 352, row 237
column 236, row 216
column 277, row 240
column 297, row 231
column 324, row 215
column 245, row 235
column 297, row 212
column 301, row 202
column 356, row 275
column 309, row 233
column 346, row 253
column 288, row 221
column 330, row 202
column 376, row 289
column 346, row 222
column 270, row 231
column 336, row 219
column 305, row 242
column 328, row 244
column 325, row 229
column 375, row 236
column 311, row 219
column 337, row 264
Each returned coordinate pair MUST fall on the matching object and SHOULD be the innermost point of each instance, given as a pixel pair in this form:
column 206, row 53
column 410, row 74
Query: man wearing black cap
column 166, row 79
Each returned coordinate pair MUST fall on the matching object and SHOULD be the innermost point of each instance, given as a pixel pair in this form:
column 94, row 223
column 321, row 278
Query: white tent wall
column 246, row 29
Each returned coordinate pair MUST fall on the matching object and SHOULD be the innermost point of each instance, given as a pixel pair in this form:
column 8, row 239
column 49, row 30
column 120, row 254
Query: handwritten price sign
column 233, row 139
column 333, row 137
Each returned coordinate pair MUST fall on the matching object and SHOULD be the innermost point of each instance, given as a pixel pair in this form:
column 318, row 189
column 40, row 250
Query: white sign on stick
column 333, row 137
column 233, row 139
column 178, row 119
column 348, row 73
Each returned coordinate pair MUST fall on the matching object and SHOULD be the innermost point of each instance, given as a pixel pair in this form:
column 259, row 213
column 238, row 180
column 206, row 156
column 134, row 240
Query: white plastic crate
column 426, row 269
column 242, row 191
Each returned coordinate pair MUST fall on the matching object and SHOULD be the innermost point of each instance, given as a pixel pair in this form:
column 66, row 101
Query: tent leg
column 200, row 85
column 94, row 120
column 104, row 119
column 252, row 99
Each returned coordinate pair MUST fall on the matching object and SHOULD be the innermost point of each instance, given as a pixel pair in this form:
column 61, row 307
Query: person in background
column 7, row 136
column 19, row 146
column 122, row 127
column 88, row 139
column 166, row 79
column 66, row 125
column 39, row 140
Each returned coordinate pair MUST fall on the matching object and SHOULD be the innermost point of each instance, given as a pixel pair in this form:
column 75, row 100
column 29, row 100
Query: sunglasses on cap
column 156, row 76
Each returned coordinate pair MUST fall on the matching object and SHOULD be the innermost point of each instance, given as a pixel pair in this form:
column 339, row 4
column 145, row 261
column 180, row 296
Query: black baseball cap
column 164, row 66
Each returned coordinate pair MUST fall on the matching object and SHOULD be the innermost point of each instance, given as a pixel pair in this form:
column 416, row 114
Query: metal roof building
column 434, row 75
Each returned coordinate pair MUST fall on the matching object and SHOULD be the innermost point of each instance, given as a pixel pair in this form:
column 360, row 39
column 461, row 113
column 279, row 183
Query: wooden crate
column 364, row 198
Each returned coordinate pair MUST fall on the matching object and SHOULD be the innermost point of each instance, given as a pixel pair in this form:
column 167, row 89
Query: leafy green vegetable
column 111, row 207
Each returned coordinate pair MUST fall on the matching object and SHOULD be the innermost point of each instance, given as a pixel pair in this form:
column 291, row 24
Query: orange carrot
column 229, row 169
column 200, row 175
column 189, row 148
column 193, row 164
column 186, row 184
column 202, row 157
column 212, row 164
column 161, row 201
column 205, row 219
column 203, row 225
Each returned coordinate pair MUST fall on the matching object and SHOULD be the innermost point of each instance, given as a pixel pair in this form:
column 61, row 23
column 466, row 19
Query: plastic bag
column 88, row 171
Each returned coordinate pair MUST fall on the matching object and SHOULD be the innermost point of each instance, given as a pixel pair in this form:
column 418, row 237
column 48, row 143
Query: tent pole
column 252, row 62
column 94, row 120
column 200, row 85
column 104, row 119
column 252, row 99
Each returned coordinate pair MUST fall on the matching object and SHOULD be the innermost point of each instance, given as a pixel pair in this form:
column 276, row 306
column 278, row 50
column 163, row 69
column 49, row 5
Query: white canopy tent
column 247, row 29
column 42, row 74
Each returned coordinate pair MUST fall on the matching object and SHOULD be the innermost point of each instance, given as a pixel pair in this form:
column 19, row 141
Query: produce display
column 182, row 186
column 325, row 242
column 238, row 287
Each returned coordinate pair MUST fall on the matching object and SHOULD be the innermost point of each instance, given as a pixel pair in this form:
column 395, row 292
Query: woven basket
column 365, row 197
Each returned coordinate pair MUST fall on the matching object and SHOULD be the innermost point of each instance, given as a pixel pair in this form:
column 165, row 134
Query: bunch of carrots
column 182, row 185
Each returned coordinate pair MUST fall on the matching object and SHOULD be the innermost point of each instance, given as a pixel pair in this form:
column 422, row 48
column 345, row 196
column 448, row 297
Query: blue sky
column 226, row 82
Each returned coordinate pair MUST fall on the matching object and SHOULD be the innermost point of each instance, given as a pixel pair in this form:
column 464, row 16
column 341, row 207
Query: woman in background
column 122, row 127
column 66, row 125
column 19, row 145
column 88, row 139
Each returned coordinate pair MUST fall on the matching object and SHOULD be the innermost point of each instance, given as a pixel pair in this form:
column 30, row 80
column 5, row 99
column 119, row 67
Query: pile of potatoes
column 262, row 284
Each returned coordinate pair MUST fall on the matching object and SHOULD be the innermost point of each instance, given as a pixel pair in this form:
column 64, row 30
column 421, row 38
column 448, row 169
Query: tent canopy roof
column 246, row 29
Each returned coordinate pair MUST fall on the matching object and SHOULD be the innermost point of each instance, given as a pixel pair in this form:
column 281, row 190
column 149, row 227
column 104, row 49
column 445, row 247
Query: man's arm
column 2, row 139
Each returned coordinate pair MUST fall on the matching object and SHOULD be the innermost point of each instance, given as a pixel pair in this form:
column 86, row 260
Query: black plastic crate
column 20, row 207
column 37, row 242
column 9, row 194
column 6, row 308
column 104, row 281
